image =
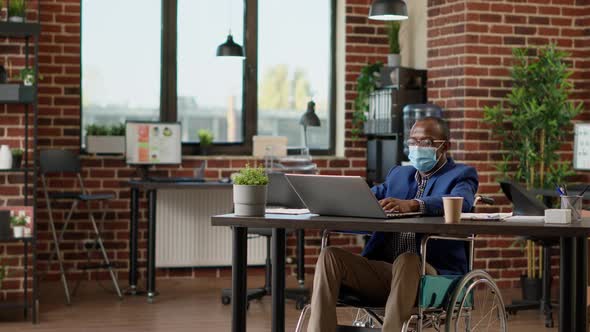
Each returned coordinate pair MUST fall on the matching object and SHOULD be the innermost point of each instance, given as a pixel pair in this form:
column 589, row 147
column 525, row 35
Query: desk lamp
column 309, row 119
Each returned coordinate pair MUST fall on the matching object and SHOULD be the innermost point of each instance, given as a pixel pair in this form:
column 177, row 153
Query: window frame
column 168, row 80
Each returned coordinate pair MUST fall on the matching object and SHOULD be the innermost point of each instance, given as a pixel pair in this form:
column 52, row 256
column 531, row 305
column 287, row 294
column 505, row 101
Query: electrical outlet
column 90, row 244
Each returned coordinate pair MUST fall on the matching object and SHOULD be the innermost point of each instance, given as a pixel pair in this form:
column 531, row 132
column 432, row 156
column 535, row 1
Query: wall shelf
column 16, row 94
column 23, row 30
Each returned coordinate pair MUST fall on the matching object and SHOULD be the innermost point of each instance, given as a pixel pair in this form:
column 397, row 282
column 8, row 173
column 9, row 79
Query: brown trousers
column 395, row 283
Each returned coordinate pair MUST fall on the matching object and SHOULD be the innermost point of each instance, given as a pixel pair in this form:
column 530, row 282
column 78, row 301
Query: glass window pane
column 209, row 87
column 294, row 65
column 120, row 61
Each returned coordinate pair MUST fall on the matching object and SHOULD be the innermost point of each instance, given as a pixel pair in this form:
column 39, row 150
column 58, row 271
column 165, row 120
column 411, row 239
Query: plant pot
column 5, row 157
column 16, row 19
column 18, row 231
column 394, row 60
column 203, row 150
column 17, row 161
column 532, row 289
column 105, row 144
column 249, row 201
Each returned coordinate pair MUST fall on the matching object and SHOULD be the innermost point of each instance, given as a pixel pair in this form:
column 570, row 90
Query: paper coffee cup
column 452, row 207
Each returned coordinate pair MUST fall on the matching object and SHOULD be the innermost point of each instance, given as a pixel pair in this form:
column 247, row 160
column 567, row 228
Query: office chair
column 66, row 162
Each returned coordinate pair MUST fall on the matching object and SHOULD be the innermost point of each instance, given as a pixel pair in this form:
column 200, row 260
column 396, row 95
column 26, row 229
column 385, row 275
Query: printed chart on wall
column 582, row 146
column 153, row 143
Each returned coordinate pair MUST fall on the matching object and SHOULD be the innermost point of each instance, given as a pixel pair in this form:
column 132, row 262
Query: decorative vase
column 18, row 231
column 17, row 161
column 394, row 60
column 5, row 157
column 249, row 201
column 16, row 19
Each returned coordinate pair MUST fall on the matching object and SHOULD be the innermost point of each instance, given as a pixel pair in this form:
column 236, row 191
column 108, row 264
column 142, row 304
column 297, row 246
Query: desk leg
column 151, row 256
column 278, row 280
column 580, row 309
column 133, row 230
column 239, row 275
column 301, row 257
column 566, row 285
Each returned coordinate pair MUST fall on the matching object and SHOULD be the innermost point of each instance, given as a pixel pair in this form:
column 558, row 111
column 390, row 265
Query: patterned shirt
column 406, row 241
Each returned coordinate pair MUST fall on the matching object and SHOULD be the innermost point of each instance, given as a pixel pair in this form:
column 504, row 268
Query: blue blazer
column 447, row 257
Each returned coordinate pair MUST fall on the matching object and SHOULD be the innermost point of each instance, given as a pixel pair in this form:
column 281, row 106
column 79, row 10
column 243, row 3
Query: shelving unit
column 26, row 96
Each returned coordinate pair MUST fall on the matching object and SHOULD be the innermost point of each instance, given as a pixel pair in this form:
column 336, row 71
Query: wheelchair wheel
column 476, row 305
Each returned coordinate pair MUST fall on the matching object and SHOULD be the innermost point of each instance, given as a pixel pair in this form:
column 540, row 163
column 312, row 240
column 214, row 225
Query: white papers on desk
column 485, row 216
column 287, row 211
column 526, row 219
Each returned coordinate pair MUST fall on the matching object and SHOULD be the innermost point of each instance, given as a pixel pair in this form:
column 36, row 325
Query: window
column 120, row 61
column 162, row 65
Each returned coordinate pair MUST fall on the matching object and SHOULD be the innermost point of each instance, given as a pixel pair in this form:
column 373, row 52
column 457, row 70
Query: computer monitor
column 523, row 202
column 582, row 146
column 153, row 143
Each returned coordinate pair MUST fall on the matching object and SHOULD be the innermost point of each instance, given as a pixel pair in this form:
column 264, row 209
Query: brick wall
column 469, row 56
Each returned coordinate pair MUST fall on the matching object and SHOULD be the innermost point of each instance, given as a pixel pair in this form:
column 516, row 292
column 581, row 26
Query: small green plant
column 105, row 130
column 366, row 83
column 17, row 221
column 17, row 8
column 17, row 152
column 27, row 75
column 251, row 177
column 205, row 137
column 393, row 35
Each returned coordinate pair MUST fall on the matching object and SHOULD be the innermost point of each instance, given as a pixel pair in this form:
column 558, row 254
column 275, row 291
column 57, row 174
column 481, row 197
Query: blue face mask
column 422, row 158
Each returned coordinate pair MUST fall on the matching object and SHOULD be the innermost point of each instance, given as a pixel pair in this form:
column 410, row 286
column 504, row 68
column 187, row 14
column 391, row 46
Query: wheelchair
column 449, row 303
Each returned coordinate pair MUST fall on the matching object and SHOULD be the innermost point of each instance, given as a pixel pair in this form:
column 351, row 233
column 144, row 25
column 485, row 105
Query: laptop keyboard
column 402, row 214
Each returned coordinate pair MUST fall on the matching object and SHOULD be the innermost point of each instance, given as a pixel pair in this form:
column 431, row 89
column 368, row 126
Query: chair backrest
column 59, row 161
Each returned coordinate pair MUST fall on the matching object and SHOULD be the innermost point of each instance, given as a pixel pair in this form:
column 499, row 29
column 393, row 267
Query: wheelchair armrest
column 423, row 246
column 326, row 235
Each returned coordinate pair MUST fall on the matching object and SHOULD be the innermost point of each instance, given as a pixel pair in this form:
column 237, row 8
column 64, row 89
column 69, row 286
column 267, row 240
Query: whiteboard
column 582, row 146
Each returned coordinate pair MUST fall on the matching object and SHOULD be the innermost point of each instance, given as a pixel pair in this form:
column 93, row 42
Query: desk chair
column 66, row 162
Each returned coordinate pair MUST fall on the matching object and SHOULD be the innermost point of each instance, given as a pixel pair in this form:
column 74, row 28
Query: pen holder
column 573, row 203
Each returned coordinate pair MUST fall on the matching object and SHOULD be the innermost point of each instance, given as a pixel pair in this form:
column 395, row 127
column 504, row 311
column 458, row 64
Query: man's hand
column 399, row 205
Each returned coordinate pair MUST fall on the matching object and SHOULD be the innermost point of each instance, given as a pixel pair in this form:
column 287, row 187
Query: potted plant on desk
column 205, row 140
column 394, row 58
column 250, row 186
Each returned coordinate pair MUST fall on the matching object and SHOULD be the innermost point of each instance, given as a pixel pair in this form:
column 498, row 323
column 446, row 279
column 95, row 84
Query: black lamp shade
column 309, row 118
column 230, row 48
column 388, row 10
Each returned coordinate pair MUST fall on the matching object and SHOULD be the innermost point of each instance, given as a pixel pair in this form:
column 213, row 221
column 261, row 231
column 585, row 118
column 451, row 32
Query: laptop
column 281, row 193
column 346, row 196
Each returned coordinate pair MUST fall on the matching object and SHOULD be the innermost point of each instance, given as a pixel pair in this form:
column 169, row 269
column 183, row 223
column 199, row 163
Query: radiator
column 184, row 235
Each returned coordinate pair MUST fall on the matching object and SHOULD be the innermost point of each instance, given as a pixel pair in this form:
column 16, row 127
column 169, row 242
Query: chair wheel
column 225, row 300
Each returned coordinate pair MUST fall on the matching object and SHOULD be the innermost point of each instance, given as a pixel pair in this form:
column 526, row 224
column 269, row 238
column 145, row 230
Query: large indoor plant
column 532, row 126
column 394, row 58
column 366, row 83
column 250, row 187
column 105, row 139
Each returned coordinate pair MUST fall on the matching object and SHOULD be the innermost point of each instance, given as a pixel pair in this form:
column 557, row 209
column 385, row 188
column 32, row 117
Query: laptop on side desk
column 344, row 196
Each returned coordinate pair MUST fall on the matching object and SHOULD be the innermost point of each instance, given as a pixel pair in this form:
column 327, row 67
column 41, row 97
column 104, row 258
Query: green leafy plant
column 205, row 137
column 250, row 177
column 16, row 221
column 366, row 83
column 535, row 122
column 28, row 75
column 16, row 8
column 105, row 130
column 393, row 35
column 17, row 152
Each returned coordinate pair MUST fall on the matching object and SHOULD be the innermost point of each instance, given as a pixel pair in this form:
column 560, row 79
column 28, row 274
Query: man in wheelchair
column 389, row 267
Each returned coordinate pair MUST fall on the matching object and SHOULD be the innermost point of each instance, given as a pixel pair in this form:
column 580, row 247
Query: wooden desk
column 151, row 187
column 573, row 260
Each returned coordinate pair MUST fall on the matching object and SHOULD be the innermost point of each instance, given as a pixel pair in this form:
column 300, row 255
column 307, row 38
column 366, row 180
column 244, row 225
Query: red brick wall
column 469, row 56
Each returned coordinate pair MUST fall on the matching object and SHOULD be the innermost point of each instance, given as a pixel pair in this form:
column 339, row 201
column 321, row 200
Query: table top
column 147, row 184
column 434, row 225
